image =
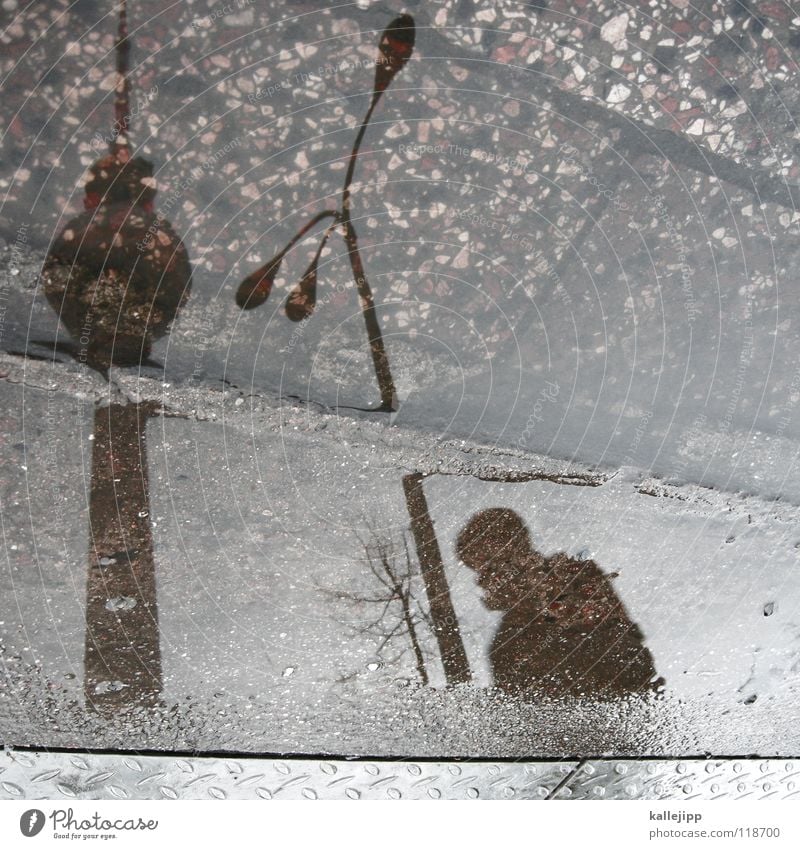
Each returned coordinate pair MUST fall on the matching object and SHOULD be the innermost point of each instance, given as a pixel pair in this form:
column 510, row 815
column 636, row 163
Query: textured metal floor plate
column 50, row 775
column 684, row 779
column 46, row 775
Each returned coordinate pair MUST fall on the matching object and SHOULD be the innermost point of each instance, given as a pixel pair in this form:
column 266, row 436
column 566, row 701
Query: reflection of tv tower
column 118, row 273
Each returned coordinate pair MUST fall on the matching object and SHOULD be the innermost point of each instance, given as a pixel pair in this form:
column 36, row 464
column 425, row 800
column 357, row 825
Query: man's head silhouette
column 496, row 544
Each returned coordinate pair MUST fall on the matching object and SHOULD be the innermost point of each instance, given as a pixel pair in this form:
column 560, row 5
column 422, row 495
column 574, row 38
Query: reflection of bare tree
column 399, row 615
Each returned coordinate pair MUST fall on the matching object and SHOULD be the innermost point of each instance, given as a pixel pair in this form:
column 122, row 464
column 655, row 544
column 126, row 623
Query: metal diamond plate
column 47, row 775
column 684, row 779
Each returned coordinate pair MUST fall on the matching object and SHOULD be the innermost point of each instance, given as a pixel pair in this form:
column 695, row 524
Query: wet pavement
column 389, row 386
column 280, row 581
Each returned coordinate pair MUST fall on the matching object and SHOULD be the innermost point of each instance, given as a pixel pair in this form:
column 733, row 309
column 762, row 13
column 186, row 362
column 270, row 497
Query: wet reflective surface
column 564, row 630
column 400, row 384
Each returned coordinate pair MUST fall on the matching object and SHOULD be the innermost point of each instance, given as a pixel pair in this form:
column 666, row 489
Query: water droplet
column 109, row 687
column 120, row 602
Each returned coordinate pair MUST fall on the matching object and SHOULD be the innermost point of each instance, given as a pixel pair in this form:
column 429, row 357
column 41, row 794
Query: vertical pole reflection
column 443, row 614
column 122, row 658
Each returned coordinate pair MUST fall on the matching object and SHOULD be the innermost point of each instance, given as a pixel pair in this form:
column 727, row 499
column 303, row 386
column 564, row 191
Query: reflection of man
column 564, row 632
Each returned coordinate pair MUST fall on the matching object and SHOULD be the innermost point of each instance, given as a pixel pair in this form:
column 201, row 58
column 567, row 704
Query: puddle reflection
column 400, row 622
column 442, row 613
column 394, row 50
column 564, row 632
column 117, row 275
column 122, row 657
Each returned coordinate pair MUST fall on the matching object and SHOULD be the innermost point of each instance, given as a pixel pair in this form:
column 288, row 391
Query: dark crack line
column 569, row 777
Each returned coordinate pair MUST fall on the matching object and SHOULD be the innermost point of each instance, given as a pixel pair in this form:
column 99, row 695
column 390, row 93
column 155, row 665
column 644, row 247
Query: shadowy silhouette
column 117, row 274
column 565, row 631
column 394, row 50
column 122, row 660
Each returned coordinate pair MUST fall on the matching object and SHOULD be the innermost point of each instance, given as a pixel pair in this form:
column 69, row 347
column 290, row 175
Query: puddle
column 402, row 236
column 276, row 589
